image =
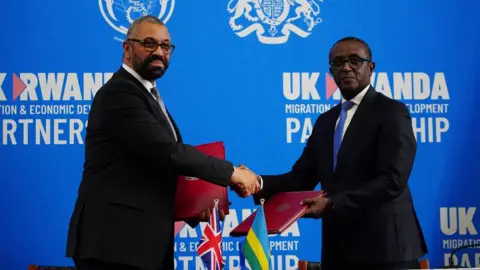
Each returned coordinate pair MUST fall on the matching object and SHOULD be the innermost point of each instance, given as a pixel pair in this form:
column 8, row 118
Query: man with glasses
column 124, row 213
column 362, row 151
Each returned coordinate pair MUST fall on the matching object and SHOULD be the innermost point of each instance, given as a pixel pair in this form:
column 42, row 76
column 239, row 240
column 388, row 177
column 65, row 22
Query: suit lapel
column 162, row 118
column 177, row 131
column 157, row 111
column 360, row 117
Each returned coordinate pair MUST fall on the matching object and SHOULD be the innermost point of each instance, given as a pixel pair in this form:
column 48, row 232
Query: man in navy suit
column 362, row 152
column 124, row 214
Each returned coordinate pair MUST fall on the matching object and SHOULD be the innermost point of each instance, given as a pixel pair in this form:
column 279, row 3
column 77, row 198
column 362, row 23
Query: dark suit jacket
column 125, row 207
column 373, row 219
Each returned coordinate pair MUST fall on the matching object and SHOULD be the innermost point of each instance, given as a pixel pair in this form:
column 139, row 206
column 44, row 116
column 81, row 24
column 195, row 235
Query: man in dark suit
column 369, row 221
column 124, row 213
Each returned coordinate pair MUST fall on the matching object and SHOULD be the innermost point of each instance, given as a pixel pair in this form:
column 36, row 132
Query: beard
column 151, row 73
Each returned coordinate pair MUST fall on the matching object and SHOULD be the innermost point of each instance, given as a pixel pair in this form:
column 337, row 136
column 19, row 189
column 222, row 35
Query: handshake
column 244, row 182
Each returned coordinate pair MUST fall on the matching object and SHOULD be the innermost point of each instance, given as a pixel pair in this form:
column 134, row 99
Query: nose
column 158, row 51
column 346, row 67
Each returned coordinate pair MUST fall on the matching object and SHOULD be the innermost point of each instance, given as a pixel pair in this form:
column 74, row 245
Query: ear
column 372, row 66
column 126, row 50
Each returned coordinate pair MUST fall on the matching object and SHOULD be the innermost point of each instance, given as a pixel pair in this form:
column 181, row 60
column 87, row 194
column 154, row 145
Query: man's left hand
column 205, row 216
column 317, row 207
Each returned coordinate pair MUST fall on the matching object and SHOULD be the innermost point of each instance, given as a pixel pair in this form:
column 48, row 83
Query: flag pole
column 215, row 203
column 215, row 208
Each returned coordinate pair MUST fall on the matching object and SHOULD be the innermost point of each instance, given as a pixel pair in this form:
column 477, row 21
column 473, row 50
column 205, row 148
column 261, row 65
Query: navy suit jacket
column 124, row 212
column 373, row 218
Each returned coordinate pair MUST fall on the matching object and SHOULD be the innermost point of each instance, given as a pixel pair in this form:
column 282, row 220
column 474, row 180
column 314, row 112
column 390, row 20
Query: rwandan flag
column 256, row 248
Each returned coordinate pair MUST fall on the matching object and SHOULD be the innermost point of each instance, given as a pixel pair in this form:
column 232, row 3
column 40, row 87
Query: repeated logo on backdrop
column 308, row 94
column 119, row 14
column 273, row 21
column 457, row 225
column 46, row 108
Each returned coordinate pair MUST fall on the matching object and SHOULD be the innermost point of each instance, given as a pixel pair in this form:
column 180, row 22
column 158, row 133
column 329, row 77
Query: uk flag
column 210, row 247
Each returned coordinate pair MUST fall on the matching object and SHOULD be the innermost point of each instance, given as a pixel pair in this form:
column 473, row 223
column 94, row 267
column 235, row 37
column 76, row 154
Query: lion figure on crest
column 305, row 8
column 242, row 7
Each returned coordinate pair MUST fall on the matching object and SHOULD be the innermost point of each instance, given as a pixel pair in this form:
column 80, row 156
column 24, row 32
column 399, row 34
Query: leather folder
column 281, row 211
column 193, row 195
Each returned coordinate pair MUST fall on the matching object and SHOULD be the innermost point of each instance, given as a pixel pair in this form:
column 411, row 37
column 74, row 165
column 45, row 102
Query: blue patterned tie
column 337, row 141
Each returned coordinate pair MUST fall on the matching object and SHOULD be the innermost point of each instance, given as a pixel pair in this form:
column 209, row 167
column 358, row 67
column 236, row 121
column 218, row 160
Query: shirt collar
column 146, row 83
column 358, row 98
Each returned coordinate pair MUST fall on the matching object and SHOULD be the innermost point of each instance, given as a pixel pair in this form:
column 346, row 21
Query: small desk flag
column 256, row 248
column 210, row 247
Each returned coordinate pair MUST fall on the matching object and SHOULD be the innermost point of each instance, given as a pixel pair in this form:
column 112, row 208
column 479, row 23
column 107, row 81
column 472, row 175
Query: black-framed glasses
column 353, row 62
column 151, row 45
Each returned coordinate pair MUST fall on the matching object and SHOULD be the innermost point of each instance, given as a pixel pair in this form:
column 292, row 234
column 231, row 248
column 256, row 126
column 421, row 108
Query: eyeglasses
column 354, row 62
column 151, row 45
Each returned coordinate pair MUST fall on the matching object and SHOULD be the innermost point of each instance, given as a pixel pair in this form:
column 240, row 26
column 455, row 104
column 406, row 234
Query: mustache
column 150, row 59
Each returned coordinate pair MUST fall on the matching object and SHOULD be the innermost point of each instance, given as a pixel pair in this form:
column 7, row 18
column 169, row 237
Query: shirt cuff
column 260, row 179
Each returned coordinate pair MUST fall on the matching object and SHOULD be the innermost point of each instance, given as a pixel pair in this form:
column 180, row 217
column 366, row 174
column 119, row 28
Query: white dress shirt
column 356, row 102
column 148, row 86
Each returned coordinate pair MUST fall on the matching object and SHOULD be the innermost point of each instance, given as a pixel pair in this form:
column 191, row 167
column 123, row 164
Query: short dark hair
column 367, row 48
column 146, row 18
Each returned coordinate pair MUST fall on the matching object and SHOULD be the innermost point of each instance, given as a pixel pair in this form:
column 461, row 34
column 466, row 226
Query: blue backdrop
column 258, row 87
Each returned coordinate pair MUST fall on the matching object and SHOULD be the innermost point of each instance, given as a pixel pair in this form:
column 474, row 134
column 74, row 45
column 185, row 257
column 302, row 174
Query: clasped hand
column 244, row 182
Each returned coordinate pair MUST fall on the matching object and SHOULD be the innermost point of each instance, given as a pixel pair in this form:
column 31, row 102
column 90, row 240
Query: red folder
column 281, row 211
column 193, row 195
